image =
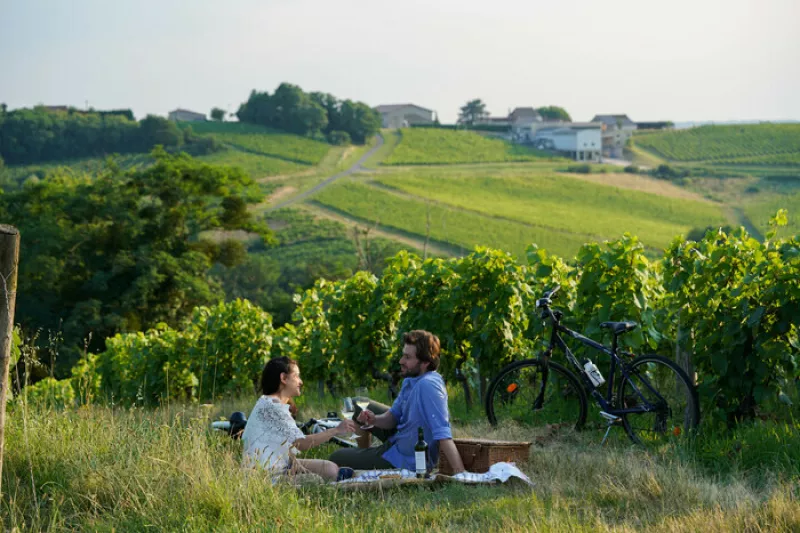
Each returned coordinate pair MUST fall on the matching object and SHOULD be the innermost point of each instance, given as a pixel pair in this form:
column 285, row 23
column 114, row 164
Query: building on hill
column 617, row 129
column 184, row 115
column 404, row 115
column 581, row 141
column 522, row 118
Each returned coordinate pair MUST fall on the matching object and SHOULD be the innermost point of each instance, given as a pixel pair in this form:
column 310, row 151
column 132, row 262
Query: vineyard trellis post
column 9, row 258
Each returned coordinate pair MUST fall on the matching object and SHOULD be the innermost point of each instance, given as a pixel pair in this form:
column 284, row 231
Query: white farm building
column 404, row 115
column 581, row 141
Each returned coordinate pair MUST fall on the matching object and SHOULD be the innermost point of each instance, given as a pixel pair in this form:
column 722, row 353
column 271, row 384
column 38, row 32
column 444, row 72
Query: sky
column 673, row 60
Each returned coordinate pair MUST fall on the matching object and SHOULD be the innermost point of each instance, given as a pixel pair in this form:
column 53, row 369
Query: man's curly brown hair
column 427, row 346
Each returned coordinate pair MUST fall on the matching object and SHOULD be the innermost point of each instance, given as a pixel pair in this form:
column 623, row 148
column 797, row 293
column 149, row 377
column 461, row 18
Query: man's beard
column 412, row 372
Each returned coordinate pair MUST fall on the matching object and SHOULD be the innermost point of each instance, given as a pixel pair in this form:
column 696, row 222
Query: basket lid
column 489, row 442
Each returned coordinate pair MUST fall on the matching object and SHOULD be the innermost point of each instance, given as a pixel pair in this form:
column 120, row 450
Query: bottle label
column 421, row 467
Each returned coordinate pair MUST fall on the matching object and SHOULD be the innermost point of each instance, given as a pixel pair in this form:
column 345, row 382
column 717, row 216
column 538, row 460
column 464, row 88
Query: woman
column 271, row 437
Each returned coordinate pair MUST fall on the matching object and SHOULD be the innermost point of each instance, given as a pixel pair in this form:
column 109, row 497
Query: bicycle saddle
column 619, row 327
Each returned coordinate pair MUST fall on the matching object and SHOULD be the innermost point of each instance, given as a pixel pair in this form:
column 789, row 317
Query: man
column 422, row 402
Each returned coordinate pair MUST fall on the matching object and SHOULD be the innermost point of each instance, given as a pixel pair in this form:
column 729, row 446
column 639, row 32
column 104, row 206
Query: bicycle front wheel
column 660, row 382
column 536, row 393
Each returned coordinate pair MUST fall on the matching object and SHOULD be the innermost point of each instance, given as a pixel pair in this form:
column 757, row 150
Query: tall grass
column 104, row 468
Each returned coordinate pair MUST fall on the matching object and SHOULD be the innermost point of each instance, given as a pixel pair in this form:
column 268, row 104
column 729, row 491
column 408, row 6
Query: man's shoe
column 345, row 473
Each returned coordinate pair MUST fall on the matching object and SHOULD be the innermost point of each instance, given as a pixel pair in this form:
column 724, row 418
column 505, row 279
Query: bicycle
column 236, row 423
column 655, row 401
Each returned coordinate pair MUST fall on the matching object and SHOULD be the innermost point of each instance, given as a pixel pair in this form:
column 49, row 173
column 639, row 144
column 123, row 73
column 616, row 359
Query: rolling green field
column 450, row 225
column 763, row 144
column 264, row 141
column 564, row 204
column 760, row 211
column 787, row 159
column 255, row 165
column 423, row 146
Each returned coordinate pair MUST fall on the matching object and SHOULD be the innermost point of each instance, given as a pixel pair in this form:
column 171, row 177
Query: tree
column 552, row 112
column 472, row 112
column 359, row 120
column 118, row 252
column 332, row 107
column 217, row 114
column 158, row 130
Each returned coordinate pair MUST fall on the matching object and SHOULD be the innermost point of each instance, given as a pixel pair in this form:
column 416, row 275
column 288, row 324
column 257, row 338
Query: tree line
column 121, row 251
column 41, row 134
column 291, row 109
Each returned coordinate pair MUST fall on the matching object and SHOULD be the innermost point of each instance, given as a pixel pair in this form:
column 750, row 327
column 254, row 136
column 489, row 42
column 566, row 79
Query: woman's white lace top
column 269, row 435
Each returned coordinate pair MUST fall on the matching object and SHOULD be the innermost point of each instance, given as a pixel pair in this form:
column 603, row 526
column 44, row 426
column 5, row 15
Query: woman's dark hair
column 271, row 375
column 427, row 346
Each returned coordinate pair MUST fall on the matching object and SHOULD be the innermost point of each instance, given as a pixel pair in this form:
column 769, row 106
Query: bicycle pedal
column 611, row 418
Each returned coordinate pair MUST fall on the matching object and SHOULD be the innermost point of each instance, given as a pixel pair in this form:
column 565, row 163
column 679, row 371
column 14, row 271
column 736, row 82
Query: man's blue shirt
column 422, row 403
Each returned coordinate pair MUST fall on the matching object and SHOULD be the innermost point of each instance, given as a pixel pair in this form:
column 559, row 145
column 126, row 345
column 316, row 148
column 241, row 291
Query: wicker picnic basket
column 479, row 454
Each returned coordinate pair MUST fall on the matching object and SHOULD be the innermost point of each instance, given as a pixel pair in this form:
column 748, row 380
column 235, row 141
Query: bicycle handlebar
column 546, row 300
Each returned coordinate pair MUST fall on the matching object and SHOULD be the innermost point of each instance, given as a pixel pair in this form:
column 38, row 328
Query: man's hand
column 367, row 417
column 346, row 426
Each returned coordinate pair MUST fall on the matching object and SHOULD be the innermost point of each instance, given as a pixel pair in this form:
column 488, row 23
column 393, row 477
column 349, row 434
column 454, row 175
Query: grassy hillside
column 264, row 141
column 511, row 207
column 255, row 165
column 448, row 224
column 763, row 144
column 563, row 204
column 760, row 211
column 420, row 146
column 258, row 151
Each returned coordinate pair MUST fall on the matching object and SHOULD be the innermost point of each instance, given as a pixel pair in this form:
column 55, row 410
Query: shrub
column 221, row 351
column 49, row 391
column 580, row 169
column 632, row 169
column 339, row 138
column 666, row 172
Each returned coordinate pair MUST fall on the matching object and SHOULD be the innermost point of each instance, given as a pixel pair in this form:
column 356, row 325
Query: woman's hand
column 346, row 426
column 366, row 417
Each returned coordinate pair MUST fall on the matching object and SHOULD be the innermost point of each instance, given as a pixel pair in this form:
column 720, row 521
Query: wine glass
column 363, row 403
column 347, row 412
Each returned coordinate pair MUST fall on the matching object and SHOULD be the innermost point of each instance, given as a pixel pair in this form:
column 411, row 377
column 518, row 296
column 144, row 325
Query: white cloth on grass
column 269, row 436
column 497, row 472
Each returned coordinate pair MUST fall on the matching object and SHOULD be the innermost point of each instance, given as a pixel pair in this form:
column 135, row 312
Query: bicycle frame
column 607, row 402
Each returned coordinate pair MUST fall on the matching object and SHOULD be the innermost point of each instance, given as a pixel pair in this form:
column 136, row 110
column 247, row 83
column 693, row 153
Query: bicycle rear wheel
column 662, row 383
column 536, row 393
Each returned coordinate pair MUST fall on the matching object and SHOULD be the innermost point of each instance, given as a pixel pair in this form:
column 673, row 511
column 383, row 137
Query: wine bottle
column 421, row 455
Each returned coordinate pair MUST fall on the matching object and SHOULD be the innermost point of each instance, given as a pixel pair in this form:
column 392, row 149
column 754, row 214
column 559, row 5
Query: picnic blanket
column 373, row 479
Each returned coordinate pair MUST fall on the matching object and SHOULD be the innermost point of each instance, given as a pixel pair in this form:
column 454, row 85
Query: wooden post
column 9, row 258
